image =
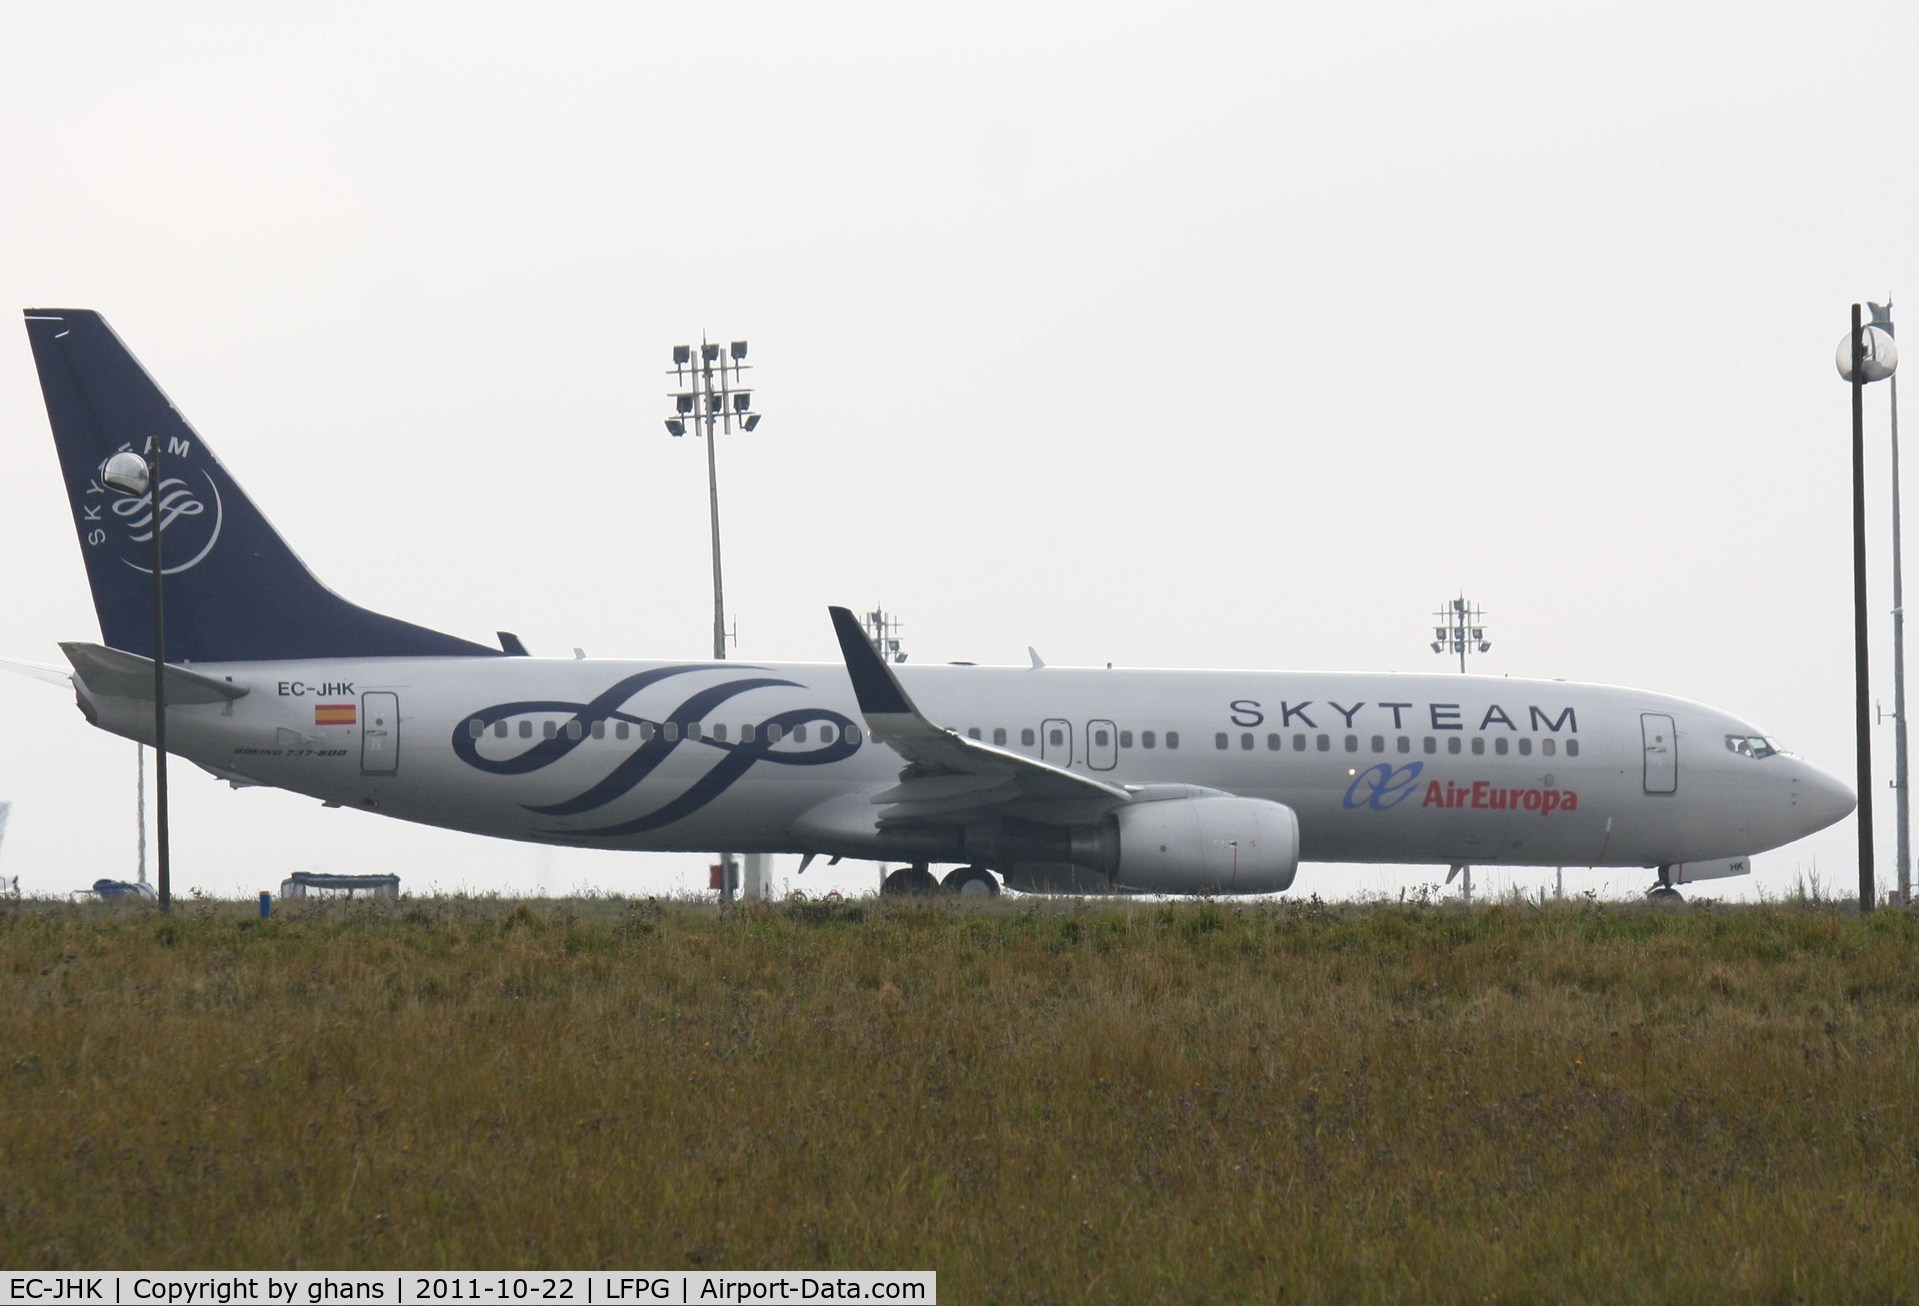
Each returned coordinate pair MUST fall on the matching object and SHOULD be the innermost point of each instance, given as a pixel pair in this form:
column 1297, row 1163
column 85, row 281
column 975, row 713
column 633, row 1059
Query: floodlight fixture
column 683, row 402
column 752, row 420
column 742, row 401
column 1438, row 647
column 710, row 351
column 675, row 427
column 126, row 472
column 739, row 350
column 1463, row 632
column 682, row 355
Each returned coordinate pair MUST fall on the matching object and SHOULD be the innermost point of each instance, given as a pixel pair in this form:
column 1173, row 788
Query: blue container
column 266, row 904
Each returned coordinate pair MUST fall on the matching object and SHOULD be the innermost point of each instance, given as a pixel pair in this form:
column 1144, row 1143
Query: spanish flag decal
column 335, row 714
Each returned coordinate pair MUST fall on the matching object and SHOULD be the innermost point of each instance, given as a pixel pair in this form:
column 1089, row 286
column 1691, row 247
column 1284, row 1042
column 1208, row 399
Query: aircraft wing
column 949, row 778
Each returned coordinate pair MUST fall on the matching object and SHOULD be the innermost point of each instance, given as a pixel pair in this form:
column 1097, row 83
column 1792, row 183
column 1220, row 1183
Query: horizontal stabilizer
column 111, row 673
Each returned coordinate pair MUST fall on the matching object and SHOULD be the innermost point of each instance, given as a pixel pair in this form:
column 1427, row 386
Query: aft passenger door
column 379, row 734
column 1662, row 752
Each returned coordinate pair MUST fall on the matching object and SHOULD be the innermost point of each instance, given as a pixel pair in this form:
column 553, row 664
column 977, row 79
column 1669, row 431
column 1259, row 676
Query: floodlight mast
column 716, row 398
column 1865, row 353
column 1882, row 319
column 132, row 474
column 1460, row 628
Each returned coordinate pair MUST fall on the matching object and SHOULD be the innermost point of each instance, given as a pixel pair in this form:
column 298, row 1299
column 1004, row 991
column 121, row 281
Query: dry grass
column 1054, row 1102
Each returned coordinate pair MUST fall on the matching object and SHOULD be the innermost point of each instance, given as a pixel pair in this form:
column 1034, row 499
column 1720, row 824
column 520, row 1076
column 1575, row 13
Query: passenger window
column 1432, row 745
column 1146, row 738
column 1272, row 743
column 1026, row 737
column 1548, row 747
column 1125, row 739
column 1479, row 745
column 1452, row 745
column 972, row 732
column 1500, row 745
column 999, row 735
column 1405, row 744
column 1525, row 748
column 499, row 730
column 1352, row 743
column 621, row 729
column 693, row 730
column 746, row 734
column 526, row 729
column 1572, row 748
column 550, row 729
column 1056, row 737
column 599, row 730
column 1299, row 743
column 1324, row 743
column 773, row 734
column 829, row 733
column 647, row 731
column 1379, row 743
column 476, row 727
column 719, row 733
column 670, row 731
column 575, row 731
column 1246, row 741
column 1100, row 737
column 1172, row 739
column 1219, row 740
column 799, row 734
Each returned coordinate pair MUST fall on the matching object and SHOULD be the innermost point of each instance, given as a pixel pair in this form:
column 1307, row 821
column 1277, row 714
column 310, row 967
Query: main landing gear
column 963, row 882
column 1663, row 891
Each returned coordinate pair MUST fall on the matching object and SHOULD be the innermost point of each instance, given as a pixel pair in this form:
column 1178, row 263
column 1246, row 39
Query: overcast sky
column 1191, row 335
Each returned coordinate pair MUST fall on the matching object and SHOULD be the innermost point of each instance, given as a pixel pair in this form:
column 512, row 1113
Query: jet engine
column 1205, row 845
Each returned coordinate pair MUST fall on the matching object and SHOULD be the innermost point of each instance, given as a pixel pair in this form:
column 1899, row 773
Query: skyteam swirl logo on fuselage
column 773, row 742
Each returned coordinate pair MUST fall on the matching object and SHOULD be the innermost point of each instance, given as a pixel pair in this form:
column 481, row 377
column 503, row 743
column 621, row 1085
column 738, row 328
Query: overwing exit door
column 1662, row 753
column 379, row 733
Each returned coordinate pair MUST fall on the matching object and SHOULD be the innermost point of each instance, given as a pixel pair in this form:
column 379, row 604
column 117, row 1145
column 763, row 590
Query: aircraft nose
column 1821, row 796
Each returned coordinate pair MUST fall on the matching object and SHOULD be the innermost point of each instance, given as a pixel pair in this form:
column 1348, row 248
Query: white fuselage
column 1378, row 768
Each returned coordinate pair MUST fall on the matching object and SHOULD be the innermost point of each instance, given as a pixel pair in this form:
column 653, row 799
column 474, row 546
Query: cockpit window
column 1752, row 745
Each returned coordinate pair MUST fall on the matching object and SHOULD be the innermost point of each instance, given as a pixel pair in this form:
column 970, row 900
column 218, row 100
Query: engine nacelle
column 1215, row 845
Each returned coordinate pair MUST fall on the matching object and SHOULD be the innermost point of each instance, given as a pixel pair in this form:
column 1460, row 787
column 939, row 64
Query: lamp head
column 126, row 472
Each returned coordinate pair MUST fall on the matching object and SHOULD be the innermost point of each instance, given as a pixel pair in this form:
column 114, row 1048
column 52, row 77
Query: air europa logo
column 190, row 516
column 1484, row 796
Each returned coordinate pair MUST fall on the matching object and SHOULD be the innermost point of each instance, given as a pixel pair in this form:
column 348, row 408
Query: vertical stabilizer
column 234, row 591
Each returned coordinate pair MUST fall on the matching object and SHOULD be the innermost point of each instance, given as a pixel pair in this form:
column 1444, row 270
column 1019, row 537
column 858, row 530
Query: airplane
column 1042, row 779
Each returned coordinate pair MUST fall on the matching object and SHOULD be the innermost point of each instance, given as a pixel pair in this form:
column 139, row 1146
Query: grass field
column 1062, row 1101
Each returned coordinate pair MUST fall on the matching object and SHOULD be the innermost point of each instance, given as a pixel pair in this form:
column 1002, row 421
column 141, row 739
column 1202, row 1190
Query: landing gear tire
column 970, row 882
column 1663, row 891
column 909, row 881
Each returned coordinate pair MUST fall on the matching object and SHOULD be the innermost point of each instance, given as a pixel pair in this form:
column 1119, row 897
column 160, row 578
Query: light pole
column 129, row 473
column 1865, row 354
column 1461, row 629
column 1882, row 320
column 716, row 398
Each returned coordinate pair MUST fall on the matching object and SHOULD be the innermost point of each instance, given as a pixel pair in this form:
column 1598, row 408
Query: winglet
column 1039, row 662
column 874, row 684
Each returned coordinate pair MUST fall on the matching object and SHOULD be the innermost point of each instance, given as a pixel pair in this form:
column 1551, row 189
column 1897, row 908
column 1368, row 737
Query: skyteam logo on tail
column 190, row 516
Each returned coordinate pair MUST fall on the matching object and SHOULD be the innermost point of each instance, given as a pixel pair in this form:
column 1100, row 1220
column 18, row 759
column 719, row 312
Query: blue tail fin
column 234, row 591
